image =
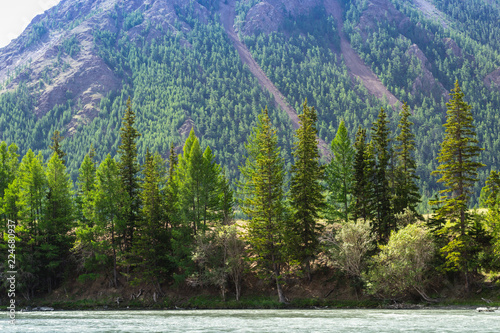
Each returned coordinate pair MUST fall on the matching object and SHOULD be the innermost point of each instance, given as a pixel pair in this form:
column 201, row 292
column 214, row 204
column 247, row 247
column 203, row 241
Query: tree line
column 172, row 221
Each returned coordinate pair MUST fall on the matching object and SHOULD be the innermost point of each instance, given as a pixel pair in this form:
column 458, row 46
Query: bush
column 400, row 268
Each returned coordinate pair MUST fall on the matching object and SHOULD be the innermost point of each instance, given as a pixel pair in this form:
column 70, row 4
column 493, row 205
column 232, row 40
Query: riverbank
column 215, row 303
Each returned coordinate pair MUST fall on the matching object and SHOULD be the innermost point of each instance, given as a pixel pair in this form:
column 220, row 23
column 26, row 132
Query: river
column 269, row 321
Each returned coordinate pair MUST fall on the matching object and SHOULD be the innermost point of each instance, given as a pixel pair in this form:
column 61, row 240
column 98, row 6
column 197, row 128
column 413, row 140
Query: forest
column 194, row 76
column 171, row 221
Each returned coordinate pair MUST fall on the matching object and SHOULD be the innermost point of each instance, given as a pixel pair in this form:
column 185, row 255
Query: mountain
column 213, row 65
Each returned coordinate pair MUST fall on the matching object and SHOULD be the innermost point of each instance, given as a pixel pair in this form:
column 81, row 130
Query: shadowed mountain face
column 212, row 66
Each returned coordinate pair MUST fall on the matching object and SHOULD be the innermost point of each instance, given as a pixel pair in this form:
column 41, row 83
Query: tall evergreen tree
column 110, row 215
column 458, row 167
column 306, row 191
column 172, row 193
column 31, row 188
column 152, row 244
column 9, row 165
column 56, row 145
column 263, row 201
column 340, row 176
column 86, row 186
column 129, row 172
column 406, row 190
column 490, row 198
column 384, row 220
column 58, row 222
column 210, row 197
column 190, row 181
column 362, row 178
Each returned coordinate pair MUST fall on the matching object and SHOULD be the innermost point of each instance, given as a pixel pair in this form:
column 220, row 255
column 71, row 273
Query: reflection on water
column 269, row 321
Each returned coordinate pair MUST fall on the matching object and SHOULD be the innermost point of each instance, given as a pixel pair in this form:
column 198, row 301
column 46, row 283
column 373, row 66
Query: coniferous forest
column 164, row 223
column 176, row 172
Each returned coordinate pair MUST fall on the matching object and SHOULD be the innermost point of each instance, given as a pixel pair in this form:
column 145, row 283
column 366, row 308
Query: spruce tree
column 189, row 180
column 406, row 190
column 31, row 188
column 110, row 215
column 340, row 176
column 211, row 173
column 86, row 186
column 153, row 241
column 384, row 220
column 56, row 145
column 172, row 193
column 458, row 167
column 306, row 190
column 263, row 201
column 9, row 165
column 58, row 223
column 129, row 172
column 362, row 178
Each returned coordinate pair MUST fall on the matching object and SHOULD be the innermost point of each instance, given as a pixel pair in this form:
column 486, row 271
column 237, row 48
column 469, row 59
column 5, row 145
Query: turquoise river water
column 269, row 321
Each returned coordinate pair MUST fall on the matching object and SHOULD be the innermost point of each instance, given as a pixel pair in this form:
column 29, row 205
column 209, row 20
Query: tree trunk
column 279, row 288
column 281, row 296
column 237, row 288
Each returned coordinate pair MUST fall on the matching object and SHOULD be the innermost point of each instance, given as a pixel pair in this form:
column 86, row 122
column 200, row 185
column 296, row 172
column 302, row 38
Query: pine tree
column 86, row 186
column 172, row 193
column 110, row 216
column 263, row 200
column 32, row 193
column 458, row 170
column 384, row 220
column 9, row 165
column 362, row 178
column 210, row 196
column 306, row 191
column 490, row 198
column 189, row 180
column 58, row 223
column 56, row 145
column 129, row 172
column 31, row 188
column 153, row 241
column 406, row 190
column 340, row 176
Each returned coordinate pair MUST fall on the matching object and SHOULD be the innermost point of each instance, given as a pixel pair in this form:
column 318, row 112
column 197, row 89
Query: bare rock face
column 263, row 17
column 492, row 80
column 452, row 45
column 37, row 58
column 425, row 81
column 380, row 10
column 267, row 16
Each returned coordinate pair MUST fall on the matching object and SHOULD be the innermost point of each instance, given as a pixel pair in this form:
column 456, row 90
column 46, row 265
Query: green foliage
column 110, row 218
column 458, row 169
column 129, row 172
column 219, row 255
column 458, row 166
column 340, row 177
column 402, row 266
column 263, row 201
column 56, row 145
column 383, row 222
column 70, row 46
column 363, row 190
column 348, row 248
column 491, row 200
column 306, row 190
column 405, row 188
